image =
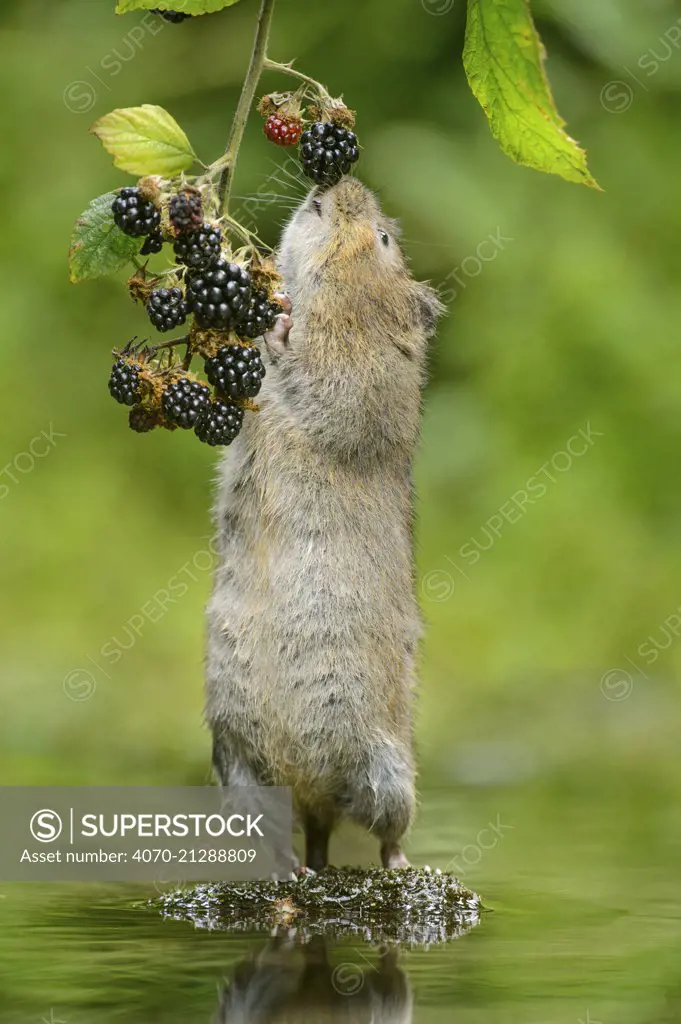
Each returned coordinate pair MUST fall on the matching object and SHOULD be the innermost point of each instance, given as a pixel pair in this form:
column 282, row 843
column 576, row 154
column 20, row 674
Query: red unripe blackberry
column 152, row 244
column 142, row 420
column 186, row 211
column 237, row 371
column 219, row 423
column 134, row 215
column 283, row 130
column 199, row 249
column 219, row 296
column 173, row 17
column 167, row 308
column 327, row 152
column 124, row 382
column 260, row 316
column 183, row 400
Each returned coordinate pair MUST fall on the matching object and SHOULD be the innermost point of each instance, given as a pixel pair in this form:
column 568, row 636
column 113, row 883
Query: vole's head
column 338, row 232
column 340, row 253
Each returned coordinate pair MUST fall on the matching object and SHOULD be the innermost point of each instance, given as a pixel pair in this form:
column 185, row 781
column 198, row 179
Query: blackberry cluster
column 167, row 308
column 173, row 17
column 183, row 400
column 327, row 152
column 237, row 371
column 218, row 423
column 124, row 382
column 152, row 244
column 219, row 296
column 199, row 249
column 142, row 420
column 260, row 316
column 186, row 211
column 134, row 215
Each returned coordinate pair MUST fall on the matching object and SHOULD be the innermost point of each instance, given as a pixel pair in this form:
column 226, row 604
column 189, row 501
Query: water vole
column 313, row 622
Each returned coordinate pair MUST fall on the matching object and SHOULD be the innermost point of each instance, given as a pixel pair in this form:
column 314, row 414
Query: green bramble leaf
column 98, row 246
column 503, row 57
column 145, row 140
column 193, row 7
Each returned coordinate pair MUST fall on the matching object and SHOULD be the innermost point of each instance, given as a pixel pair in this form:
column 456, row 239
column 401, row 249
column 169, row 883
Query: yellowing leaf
column 181, row 6
column 503, row 57
column 145, row 140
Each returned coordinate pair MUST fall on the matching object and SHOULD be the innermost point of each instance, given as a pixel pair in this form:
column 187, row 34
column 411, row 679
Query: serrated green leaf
column 98, row 246
column 193, row 7
column 145, row 140
column 503, row 57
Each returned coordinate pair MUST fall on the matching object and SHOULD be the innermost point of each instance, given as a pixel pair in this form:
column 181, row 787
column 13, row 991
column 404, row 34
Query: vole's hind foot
column 277, row 339
column 392, row 856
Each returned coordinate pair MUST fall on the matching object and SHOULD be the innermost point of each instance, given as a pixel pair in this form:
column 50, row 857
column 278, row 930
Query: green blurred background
column 569, row 320
column 551, row 659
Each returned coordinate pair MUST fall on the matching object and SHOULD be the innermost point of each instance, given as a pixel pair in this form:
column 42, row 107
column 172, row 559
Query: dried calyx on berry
column 219, row 296
column 185, row 210
column 219, row 423
column 199, row 249
column 237, row 371
column 282, row 113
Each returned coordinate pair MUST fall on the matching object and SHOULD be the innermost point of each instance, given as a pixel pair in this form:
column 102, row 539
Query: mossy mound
column 411, row 906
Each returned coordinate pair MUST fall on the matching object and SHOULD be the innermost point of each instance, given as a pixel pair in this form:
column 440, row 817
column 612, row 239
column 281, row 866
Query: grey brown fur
column 313, row 625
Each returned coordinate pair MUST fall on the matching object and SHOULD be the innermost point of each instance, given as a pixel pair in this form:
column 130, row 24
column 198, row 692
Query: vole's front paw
column 277, row 339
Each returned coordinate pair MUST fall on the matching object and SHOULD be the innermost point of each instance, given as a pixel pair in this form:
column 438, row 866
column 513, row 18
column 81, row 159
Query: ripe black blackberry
column 173, row 17
column 167, row 308
column 186, row 211
column 327, row 152
column 183, row 400
column 142, row 420
column 219, row 423
column 237, row 371
column 134, row 215
column 199, row 249
column 219, row 296
column 152, row 244
column 260, row 316
column 124, row 382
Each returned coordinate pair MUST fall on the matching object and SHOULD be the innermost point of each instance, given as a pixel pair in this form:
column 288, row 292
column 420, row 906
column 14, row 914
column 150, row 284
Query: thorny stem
column 288, row 69
column 255, row 68
column 170, row 344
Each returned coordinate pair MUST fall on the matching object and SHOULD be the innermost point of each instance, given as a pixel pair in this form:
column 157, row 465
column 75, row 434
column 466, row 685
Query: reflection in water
column 286, row 981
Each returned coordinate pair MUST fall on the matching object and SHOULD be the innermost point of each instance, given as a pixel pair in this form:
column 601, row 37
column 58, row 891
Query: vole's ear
column 429, row 307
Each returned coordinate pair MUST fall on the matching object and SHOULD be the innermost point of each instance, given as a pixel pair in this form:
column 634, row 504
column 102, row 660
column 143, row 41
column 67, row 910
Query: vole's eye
column 317, row 203
column 385, row 237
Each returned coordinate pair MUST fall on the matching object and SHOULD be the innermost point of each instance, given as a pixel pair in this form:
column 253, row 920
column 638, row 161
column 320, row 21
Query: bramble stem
column 245, row 102
column 288, row 69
